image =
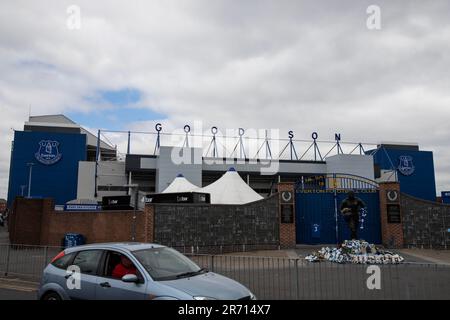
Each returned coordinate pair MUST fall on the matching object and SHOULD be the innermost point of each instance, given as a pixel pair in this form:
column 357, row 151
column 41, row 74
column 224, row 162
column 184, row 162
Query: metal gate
column 318, row 200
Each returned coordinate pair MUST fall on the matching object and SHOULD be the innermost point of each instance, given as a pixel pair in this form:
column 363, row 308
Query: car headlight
column 203, row 298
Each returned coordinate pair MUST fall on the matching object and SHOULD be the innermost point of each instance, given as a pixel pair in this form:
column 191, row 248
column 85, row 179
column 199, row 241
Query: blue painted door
column 316, row 217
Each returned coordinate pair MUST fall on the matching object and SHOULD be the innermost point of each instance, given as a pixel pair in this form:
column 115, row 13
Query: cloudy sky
column 300, row 65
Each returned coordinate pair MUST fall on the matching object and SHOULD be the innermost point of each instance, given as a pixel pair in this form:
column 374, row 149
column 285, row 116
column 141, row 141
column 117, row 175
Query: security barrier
column 282, row 278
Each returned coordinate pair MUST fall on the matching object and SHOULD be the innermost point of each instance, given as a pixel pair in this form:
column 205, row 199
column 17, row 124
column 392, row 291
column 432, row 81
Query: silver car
column 133, row 271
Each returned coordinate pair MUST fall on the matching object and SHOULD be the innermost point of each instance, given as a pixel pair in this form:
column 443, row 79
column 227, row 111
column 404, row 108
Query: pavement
column 427, row 255
column 292, row 254
column 301, row 251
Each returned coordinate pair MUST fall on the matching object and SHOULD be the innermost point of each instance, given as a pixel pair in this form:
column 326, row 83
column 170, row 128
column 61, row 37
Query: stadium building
column 55, row 157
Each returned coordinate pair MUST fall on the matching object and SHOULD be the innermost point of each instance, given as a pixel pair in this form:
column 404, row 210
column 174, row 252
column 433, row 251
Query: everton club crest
column 48, row 152
column 406, row 166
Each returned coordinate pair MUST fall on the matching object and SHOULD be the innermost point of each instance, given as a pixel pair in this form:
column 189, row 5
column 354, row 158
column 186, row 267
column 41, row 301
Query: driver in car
column 124, row 267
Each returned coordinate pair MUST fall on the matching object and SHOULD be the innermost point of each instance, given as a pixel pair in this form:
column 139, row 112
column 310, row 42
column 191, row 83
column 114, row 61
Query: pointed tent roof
column 231, row 189
column 180, row 184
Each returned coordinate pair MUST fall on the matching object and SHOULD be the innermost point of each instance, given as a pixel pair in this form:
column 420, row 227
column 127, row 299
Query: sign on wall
column 393, row 213
column 48, row 152
column 287, row 197
column 445, row 195
column 287, row 207
column 406, row 165
column 287, row 213
column 315, row 232
column 392, row 196
column 81, row 207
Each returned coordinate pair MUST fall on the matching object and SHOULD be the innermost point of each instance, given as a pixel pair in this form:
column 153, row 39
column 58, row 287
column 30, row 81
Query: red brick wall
column 35, row 222
column 391, row 233
column 149, row 223
column 49, row 226
column 24, row 222
column 287, row 230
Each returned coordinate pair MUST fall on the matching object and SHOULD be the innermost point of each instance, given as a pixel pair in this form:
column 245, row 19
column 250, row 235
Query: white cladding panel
column 109, row 173
column 358, row 165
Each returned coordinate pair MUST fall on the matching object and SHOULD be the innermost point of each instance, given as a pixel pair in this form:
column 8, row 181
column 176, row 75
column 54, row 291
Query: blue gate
column 318, row 200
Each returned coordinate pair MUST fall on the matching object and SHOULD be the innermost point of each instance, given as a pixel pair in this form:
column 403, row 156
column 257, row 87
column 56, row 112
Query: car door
column 110, row 288
column 89, row 262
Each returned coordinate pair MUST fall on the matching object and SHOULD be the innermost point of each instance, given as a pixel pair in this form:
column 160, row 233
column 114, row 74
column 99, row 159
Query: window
column 64, row 261
column 115, row 268
column 88, row 261
column 166, row 263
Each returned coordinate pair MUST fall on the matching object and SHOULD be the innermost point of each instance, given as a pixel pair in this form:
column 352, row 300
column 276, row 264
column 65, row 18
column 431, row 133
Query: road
column 16, row 289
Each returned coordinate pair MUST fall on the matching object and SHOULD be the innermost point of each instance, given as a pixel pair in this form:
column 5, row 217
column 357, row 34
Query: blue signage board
column 445, row 195
column 81, row 207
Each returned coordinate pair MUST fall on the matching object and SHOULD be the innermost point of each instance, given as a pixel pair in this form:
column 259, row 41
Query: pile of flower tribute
column 356, row 251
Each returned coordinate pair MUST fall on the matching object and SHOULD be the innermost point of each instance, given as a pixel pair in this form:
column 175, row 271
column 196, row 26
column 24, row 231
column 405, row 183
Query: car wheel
column 51, row 296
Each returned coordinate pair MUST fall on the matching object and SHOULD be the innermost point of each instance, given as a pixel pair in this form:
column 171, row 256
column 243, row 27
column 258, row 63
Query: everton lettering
column 48, row 152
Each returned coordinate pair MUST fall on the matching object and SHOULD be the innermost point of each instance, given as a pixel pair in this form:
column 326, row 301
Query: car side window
column 88, row 261
column 63, row 262
column 113, row 266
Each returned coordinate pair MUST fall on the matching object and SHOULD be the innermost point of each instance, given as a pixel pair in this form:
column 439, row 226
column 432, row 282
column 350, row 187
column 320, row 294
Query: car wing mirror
column 130, row 278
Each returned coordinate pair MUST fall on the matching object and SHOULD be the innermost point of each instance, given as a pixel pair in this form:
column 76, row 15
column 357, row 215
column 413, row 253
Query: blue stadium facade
column 415, row 168
column 54, row 158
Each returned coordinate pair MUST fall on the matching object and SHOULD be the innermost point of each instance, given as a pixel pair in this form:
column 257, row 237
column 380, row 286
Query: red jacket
column 120, row 270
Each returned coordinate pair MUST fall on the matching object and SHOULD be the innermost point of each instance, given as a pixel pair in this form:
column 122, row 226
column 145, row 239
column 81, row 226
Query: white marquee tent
column 180, row 184
column 230, row 189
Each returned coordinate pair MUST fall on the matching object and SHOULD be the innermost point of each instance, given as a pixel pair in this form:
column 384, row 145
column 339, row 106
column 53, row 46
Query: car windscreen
column 166, row 263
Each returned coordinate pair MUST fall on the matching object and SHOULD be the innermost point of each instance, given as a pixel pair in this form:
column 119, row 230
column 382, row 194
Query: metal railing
column 25, row 260
column 280, row 278
column 286, row 279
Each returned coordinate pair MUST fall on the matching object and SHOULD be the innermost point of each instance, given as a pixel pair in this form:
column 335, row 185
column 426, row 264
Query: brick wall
column 180, row 225
column 391, row 233
column 214, row 228
column 35, row 222
column 287, row 230
column 24, row 221
column 149, row 228
column 425, row 223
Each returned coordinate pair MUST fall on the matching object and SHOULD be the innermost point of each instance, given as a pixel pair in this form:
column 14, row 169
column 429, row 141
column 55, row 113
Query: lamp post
column 30, row 165
column 22, row 188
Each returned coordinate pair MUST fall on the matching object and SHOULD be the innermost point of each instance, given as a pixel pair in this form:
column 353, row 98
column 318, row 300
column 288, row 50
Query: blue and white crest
column 48, row 152
column 406, row 166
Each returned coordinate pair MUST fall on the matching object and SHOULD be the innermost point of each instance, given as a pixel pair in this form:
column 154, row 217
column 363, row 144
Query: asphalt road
column 14, row 294
column 16, row 289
